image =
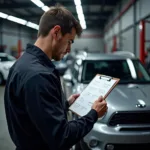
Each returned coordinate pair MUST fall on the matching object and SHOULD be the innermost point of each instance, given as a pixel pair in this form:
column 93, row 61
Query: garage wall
column 91, row 40
column 12, row 32
column 127, row 43
column 126, row 28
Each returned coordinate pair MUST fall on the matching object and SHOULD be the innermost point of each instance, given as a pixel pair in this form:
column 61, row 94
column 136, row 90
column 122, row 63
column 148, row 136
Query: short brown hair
column 58, row 15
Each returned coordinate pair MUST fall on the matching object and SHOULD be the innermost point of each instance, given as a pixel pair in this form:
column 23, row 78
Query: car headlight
column 93, row 143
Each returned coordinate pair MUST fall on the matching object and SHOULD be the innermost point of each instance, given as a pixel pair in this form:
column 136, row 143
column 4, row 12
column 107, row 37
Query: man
column 35, row 107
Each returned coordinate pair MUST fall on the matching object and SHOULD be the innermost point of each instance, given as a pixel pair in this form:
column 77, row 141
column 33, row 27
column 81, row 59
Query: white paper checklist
column 99, row 86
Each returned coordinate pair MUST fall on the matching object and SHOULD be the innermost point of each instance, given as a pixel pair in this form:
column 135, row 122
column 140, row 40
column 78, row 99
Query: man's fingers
column 105, row 107
column 76, row 95
column 100, row 99
column 103, row 104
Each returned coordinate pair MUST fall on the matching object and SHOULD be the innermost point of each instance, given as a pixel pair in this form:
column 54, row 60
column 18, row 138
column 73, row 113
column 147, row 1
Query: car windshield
column 7, row 58
column 129, row 71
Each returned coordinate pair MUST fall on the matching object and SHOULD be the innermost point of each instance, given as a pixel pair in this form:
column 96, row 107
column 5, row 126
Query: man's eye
column 69, row 42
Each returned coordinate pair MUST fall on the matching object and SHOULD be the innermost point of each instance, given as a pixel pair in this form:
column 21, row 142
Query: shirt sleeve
column 45, row 109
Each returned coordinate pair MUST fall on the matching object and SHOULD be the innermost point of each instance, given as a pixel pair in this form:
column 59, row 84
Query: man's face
column 62, row 44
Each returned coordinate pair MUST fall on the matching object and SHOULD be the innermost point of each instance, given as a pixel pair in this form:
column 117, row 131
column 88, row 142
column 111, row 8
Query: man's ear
column 56, row 31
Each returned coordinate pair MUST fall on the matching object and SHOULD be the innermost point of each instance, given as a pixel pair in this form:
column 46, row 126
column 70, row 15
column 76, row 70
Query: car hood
column 7, row 64
column 128, row 97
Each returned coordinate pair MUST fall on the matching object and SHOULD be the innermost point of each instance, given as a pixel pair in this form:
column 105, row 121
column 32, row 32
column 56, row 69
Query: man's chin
column 59, row 58
column 62, row 56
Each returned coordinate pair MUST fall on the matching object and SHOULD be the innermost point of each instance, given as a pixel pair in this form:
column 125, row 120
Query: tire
column 1, row 79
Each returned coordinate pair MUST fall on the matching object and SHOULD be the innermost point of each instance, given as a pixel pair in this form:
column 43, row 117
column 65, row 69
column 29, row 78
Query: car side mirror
column 68, row 78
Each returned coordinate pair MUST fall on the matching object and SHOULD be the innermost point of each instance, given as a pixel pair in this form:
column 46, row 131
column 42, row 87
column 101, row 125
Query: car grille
column 130, row 146
column 128, row 118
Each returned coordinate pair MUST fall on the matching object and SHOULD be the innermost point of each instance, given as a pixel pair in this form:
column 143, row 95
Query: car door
column 70, row 79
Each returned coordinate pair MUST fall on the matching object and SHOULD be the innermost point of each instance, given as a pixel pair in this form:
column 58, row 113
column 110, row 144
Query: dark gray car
column 126, row 124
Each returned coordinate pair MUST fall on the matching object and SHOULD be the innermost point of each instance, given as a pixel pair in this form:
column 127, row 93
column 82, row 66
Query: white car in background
column 6, row 61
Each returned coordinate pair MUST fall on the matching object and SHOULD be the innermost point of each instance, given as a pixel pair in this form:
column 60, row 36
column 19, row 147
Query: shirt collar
column 36, row 51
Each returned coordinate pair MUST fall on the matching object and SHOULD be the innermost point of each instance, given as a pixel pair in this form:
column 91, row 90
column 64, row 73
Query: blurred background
column 110, row 27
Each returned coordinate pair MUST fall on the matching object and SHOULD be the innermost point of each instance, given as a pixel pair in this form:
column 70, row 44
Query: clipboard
column 101, row 85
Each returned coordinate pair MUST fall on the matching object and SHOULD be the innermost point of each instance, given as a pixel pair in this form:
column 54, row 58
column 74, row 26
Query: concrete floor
column 5, row 141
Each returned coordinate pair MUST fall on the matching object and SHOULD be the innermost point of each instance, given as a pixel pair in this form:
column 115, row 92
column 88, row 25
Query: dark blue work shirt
column 36, row 109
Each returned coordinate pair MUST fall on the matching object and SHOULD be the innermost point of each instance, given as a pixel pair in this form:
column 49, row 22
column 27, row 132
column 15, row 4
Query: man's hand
column 72, row 98
column 100, row 106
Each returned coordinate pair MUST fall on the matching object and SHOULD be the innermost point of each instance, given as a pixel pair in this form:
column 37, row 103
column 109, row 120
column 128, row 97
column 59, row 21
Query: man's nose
column 69, row 48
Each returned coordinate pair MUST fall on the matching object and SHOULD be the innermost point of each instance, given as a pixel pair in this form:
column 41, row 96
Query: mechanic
column 36, row 110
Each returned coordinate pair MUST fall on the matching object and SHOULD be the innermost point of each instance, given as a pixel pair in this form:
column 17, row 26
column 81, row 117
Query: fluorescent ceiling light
column 83, row 25
column 79, row 9
column 82, row 22
column 38, row 3
column 18, row 20
column 2, row 15
column 45, row 8
column 32, row 25
column 77, row 2
column 80, row 13
column 81, row 17
column 41, row 5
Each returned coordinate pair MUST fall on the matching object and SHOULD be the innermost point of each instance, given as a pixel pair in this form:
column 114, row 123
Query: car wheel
column 1, row 79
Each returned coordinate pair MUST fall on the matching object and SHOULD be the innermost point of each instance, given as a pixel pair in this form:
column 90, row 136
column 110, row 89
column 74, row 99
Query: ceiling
column 96, row 12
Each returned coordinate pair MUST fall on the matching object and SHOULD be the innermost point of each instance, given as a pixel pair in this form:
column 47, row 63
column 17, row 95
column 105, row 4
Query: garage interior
column 108, row 26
